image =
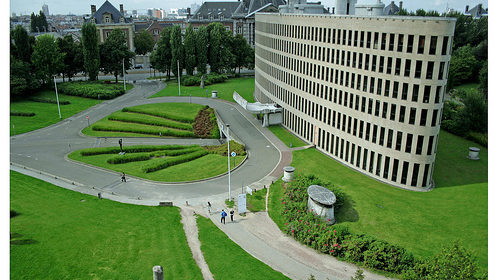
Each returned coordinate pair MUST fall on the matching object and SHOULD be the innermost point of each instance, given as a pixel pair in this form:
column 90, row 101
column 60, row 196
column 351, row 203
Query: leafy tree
column 23, row 44
column 190, row 50
column 90, row 50
column 144, row 42
column 420, row 12
column 47, row 58
column 21, row 79
column 474, row 115
column 114, row 53
column 483, row 79
column 177, row 49
column 161, row 58
column 220, row 56
column 73, row 56
column 481, row 51
column 39, row 23
column 242, row 52
column 463, row 66
column 202, row 49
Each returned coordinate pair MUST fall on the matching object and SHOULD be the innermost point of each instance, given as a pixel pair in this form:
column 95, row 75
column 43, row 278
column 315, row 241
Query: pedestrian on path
column 99, row 195
column 123, row 177
column 223, row 215
column 232, row 214
column 121, row 144
column 209, row 207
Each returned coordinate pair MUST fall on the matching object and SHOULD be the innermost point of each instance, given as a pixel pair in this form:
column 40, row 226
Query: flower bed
column 205, row 124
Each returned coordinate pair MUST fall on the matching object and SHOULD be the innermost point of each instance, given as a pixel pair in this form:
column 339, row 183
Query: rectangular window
column 400, row 42
column 437, row 96
column 370, row 106
column 374, row 63
column 355, row 127
column 402, row 111
column 409, row 139
column 409, row 45
column 361, row 124
column 430, row 70
column 444, row 49
column 407, row 68
column 379, row 162
column 397, row 70
column 362, row 39
column 389, row 65
column 432, row 47
column 399, row 138
column 368, row 39
column 427, row 94
column 404, row 173
column 382, row 44
column 395, row 89
column 381, row 65
column 395, row 165
column 389, row 138
column 434, row 117
column 413, row 113
column 377, row 107
column 429, row 145
column 421, row 44
column 393, row 112
column 356, row 38
column 379, row 86
column 404, row 92
column 414, row 176
column 382, row 136
column 358, row 156
column 391, row 42
column 384, row 110
column 349, row 38
column 365, row 154
column 372, row 158
column 441, row 71
column 386, row 167
column 387, row 88
column 414, row 96
column 423, row 117
column 426, row 173
column 367, row 135
column 367, row 61
column 420, row 143
column 374, row 135
column 418, row 69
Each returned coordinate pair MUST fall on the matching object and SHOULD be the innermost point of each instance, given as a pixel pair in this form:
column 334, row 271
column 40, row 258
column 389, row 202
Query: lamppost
column 179, row 77
column 123, row 64
column 57, row 98
column 228, row 162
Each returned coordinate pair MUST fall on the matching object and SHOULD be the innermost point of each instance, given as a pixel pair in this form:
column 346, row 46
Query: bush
column 210, row 79
column 49, row 100
column 144, row 130
column 191, row 81
column 234, row 146
column 131, row 149
column 158, row 165
column 157, row 114
column 172, row 153
column 93, row 90
column 157, row 122
column 128, row 158
column 22, row 114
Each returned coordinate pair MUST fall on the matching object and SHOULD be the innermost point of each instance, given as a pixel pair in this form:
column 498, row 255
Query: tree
column 242, row 52
column 39, row 23
column 90, row 50
column 114, row 53
column 483, row 79
column 47, row 58
column 23, row 44
column 463, row 66
column 73, row 56
column 220, row 56
column 21, row 79
column 202, row 50
column 144, row 42
column 190, row 50
column 161, row 58
column 177, row 49
column 474, row 114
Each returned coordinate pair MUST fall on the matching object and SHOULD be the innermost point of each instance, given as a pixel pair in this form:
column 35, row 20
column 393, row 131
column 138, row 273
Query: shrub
column 93, row 90
column 162, row 164
column 128, row 158
column 22, row 114
column 210, row 79
column 143, row 130
column 130, row 149
column 234, row 146
column 190, row 80
column 157, row 114
column 49, row 100
column 157, row 122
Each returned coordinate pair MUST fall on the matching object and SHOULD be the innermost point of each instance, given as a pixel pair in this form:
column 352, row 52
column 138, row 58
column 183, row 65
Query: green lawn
column 257, row 201
column 188, row 171
column 61, row 234
column 45, row 113
column 286, row 136
column 457, row 209
column 244, row 86
column 226, row 259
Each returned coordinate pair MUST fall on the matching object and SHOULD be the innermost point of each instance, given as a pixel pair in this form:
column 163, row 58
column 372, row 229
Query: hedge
column 158, row 114
column 22, row 114
column 156, row 122
column 128, row 158
column 175, row 152
column 162, row 164
column 131, row 149
column 93, row 90
column 143, row 130
column 49, row 100
column 210, row 79
column 234, row 146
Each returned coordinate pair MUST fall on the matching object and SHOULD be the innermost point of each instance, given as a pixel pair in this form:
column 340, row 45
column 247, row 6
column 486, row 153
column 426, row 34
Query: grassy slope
column 46, row 113
column 244, row 86
column 95, row 239
column 421, row 222
column 226, row 259
column 188, row 171
column 286, row 136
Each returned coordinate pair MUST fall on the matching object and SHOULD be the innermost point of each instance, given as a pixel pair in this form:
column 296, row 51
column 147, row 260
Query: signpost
column 88, row 121
column 233, row 154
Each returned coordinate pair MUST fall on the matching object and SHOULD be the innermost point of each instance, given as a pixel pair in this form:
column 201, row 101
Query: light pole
column 123, row 64
column 179, row 77
column 57, row 98
column 228, row 162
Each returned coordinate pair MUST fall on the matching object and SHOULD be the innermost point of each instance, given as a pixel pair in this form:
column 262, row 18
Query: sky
column 83, row 7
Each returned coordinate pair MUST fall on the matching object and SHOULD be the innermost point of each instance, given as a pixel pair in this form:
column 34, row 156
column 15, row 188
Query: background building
column 367, row 91
column 45, row 9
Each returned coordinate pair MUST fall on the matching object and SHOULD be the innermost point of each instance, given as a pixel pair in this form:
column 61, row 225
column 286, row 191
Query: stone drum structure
column 288, row 173
column 321, row 202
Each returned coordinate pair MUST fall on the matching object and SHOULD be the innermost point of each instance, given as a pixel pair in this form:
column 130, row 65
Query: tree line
column 39, row 23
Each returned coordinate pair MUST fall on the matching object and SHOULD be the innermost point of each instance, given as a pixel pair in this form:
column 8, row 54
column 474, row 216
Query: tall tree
column 483, row 79
column 39, row 23
column 242, row 52
column 202, row 50
column 161, row 58
column 220, row 56
column 144, row 42
column 463, row 66
column 115, row 54
column 177, row 49
column 47, row 58
column 90, row 50
column 190, row 50
column 23, row 44
column 73, row 56
column 22, row 81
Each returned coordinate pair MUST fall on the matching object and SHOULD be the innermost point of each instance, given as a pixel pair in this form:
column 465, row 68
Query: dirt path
column 189, row 224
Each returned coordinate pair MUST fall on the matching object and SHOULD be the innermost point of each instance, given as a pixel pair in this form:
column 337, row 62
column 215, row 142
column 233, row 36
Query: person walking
column 223, row 215
column 123, row 177
column 209, row 207
column 232, row 214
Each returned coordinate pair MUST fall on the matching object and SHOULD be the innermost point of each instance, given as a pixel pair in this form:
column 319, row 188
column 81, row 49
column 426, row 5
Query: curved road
column 46, row 149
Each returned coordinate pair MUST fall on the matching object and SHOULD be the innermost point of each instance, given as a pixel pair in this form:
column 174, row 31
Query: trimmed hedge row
column 236, row 147
column 158, row 114
column 210, row 79
column 49, row 100
column 143, row 130
column 22, row 114
column 128, row 158
column 157, row 122
column 93, row 90
column 171, row 153
column 309, row 229
column 131, row 149
column 162, row 164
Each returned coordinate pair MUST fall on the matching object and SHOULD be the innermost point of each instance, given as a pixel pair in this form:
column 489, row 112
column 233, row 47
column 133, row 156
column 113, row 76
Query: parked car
column 138, row 66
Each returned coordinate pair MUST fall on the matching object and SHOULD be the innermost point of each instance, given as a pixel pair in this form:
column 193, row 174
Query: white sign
column 249, row 190
column 242, row 203
column 233, row 154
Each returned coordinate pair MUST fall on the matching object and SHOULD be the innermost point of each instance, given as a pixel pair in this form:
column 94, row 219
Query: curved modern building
column 367, row 91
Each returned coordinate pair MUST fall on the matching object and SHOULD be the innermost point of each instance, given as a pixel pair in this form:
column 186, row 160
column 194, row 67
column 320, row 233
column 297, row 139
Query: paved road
column 45, row 150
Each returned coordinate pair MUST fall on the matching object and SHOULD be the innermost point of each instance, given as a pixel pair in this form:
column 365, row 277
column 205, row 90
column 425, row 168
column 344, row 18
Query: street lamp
column 123, row 64
column 228, row 162
column 57, row 98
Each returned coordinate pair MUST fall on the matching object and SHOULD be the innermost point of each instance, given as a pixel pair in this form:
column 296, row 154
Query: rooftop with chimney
column 477, row 11
column 107, row 13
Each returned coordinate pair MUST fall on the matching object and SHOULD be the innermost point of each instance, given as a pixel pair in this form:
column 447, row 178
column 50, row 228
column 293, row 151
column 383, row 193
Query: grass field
column 188, row 171
column 286, row 136
column 226, row 259
column 61, row 234
column 457, row 209
column 257, row 201
column 244, row 86
column 45, row 113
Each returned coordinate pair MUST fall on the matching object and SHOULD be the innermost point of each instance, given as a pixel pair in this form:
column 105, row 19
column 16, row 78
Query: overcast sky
column 83, row 7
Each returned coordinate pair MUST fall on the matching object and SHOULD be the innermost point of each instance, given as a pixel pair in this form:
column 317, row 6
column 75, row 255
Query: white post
column 179, row 77
column 228, row 163
column 123, row 63
column 57, row 98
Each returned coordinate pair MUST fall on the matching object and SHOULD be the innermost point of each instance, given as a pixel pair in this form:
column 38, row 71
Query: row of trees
column 39, row 22
column 210, row 45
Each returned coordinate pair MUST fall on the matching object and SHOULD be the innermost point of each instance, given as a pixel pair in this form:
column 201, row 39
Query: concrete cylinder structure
column 321, row 202
column 473, row 153
column 214, row 94
column 288, row 172
column 157, row 272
